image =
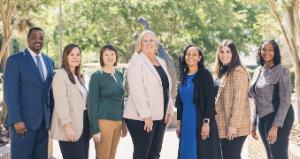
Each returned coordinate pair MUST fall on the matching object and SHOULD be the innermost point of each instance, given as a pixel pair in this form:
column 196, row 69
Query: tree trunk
column 6, row 40
column 290, row 32
column 6, row 11
column 4, row 56
column 297, row 88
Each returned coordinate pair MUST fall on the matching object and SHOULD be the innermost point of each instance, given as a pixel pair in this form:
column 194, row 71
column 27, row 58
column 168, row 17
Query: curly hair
column 182, row 63
column 277, row 58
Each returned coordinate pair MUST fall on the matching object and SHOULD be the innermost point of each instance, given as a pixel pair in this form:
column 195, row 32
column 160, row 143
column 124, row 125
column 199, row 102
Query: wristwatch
column 206, row 120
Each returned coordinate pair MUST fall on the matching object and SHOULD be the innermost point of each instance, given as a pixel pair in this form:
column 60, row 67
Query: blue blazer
column 27, row 96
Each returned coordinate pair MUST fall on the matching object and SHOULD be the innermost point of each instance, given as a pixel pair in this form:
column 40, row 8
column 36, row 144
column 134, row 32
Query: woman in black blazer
column 195, row 104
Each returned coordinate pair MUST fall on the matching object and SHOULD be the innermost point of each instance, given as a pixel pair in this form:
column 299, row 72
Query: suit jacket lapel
column 223, row 82
column 48, row 67
column 150, row 65
column 78, row 87
column 32, row 64
column 163, row 65
column 256, row 75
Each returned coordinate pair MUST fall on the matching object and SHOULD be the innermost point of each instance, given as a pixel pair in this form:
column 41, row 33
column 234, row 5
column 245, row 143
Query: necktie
column 40, row 67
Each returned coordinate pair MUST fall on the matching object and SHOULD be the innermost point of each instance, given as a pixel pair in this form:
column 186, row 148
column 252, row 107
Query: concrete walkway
column 125, row 148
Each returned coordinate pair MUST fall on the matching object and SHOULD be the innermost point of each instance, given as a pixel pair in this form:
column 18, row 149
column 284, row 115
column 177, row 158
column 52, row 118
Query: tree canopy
column 92, row 23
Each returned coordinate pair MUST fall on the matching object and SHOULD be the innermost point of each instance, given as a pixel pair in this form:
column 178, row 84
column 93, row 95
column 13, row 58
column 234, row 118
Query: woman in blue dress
column 196, row 125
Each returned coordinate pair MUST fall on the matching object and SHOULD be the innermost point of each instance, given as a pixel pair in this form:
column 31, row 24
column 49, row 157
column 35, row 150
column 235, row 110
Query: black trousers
column 232, row 149
column 278, row 150
column 147, row 145
column 80, row 148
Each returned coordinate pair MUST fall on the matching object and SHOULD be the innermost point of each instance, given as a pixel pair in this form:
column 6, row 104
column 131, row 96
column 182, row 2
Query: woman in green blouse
column 105, row 104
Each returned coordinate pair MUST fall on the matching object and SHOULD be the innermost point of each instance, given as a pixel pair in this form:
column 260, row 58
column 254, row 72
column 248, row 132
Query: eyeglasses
column 148, row 41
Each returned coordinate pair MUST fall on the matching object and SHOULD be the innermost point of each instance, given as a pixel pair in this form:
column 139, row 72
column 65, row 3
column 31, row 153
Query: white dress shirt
column 45, row 71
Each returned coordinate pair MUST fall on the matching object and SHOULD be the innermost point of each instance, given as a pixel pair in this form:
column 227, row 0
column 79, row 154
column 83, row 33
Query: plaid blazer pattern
column 232, row 103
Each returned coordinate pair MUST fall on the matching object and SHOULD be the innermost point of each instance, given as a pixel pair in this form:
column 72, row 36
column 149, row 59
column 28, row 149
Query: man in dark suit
column 27, row 93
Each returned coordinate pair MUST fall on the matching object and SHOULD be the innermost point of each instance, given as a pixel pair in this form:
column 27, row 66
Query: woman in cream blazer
column 148, row 110
column 70, row 123
column 145, row 98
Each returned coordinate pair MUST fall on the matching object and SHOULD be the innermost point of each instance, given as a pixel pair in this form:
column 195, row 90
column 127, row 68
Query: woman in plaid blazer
column 232, row 102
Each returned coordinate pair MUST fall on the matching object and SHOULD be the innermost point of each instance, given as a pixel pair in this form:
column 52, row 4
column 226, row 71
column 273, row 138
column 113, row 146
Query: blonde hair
column 138, row 47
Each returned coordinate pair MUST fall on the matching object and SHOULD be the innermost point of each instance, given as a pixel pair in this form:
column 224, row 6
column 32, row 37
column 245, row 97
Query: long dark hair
column 182, row 64
column 277, row 58
column 235, row 59
column 65, row 63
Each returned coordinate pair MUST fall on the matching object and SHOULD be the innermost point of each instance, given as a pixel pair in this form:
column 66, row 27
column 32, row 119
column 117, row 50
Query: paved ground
column 252, row 149
column 125, row 149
